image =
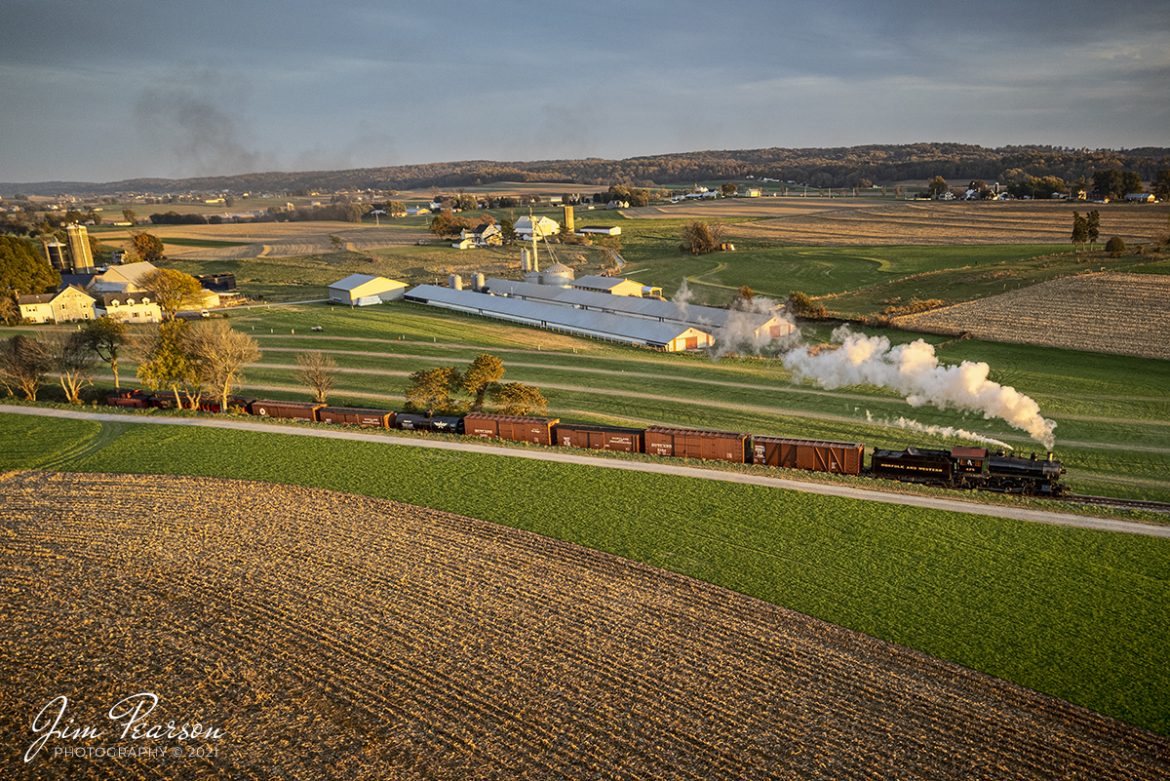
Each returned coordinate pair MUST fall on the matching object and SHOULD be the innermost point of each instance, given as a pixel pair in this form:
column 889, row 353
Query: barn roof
column 549, row 315
column 704, row 317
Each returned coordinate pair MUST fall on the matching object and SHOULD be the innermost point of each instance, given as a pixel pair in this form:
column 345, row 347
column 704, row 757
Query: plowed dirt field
column 1127, row 314
column 337, row 636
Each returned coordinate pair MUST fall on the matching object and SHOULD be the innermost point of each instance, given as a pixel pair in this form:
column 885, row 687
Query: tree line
column 189, row 360
column 452, row 391
column 817, row 167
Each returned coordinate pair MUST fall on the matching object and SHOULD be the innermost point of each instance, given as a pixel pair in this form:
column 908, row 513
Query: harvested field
column 1127, row 314
column 335, row 636
column 274, row 239
column 864, row 221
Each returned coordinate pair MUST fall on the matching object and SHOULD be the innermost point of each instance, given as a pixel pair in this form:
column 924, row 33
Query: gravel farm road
column 560, row 456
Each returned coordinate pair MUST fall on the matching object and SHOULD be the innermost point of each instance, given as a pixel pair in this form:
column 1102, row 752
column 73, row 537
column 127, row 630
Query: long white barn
column 706, row 318
column 669, row 336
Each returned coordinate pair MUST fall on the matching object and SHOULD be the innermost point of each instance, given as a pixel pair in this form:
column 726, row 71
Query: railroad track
column 1111, row 501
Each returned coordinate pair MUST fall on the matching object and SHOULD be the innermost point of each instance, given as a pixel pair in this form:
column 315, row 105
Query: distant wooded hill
column 831, row 167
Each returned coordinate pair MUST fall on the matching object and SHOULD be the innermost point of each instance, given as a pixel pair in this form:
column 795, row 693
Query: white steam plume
column 942, row 431
column 742, row 332
column 682, row 297
column 913, row 370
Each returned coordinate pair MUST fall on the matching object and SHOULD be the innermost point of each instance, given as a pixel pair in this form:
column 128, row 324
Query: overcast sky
column 103, row 90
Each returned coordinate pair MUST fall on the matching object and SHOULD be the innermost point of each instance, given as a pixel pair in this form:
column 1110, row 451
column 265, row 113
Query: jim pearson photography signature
column 129, row 720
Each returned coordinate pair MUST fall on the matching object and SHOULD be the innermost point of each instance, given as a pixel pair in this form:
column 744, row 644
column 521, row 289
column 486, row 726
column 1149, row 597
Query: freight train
column 959, row 467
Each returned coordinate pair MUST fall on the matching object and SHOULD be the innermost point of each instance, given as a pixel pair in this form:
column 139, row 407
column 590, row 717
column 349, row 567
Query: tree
column 481, row 376
column 105, row 337
column 72, row 359
column 317, row 371
column 1093, row 227
column 129, row 216
column 803, row 305
column 172, row 290
column 700, row 238
column 22, row 270
column 1115, row 247
column 728, row 189
column 166, row 364
column 24, row 362
column 447, row 224
column 219, row 354
column 430, row 390
column 1080, row 231
column 937, row 187
column 508, row 231
column 147, row 246
column 745, row 294
column 515, row 398
column 1161, row 185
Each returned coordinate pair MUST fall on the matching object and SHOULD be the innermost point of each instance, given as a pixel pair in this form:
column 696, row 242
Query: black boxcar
column 697, row 443
column 353, row 416
column 840, row 457
column 411, row 421
column 914, row 465
column 293, row 410
column 626, row 440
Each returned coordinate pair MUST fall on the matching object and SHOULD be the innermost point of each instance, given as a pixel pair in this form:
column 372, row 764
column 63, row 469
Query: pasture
column 1072, row 613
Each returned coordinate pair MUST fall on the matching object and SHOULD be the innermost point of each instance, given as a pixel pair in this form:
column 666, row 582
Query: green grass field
column 1072, row 613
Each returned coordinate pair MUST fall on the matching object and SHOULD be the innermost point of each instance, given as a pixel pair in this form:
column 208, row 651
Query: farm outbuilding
column 672, row 337
column 614, row 286
column 365, row 289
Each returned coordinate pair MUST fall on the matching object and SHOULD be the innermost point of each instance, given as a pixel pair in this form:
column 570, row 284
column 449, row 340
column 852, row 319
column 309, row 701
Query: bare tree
column 317, row 371
column 72, row 359
column 220, row 354
column 24, row 362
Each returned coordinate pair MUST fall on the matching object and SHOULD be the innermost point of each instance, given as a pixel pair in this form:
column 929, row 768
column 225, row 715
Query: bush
column 1115, row 246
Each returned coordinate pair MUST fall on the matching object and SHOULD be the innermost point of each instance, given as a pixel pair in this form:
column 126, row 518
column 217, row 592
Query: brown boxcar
column 697, row 443
column 627, row 440
column 517, row 429
column 353, row 416
column 841, row 457
column 295, row 410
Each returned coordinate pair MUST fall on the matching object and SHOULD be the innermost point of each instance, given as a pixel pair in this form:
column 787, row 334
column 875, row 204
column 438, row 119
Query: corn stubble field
column 1113, row 313
column 336, row 636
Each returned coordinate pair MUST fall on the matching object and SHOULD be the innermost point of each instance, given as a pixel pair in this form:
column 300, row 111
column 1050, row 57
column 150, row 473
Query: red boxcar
column 697, row 443
column 841, row 457
column 626, row 440
column 518, row 429
column 352, row 416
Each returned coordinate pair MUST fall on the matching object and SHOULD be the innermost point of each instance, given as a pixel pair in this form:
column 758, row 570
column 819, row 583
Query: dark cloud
column 219, row 86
